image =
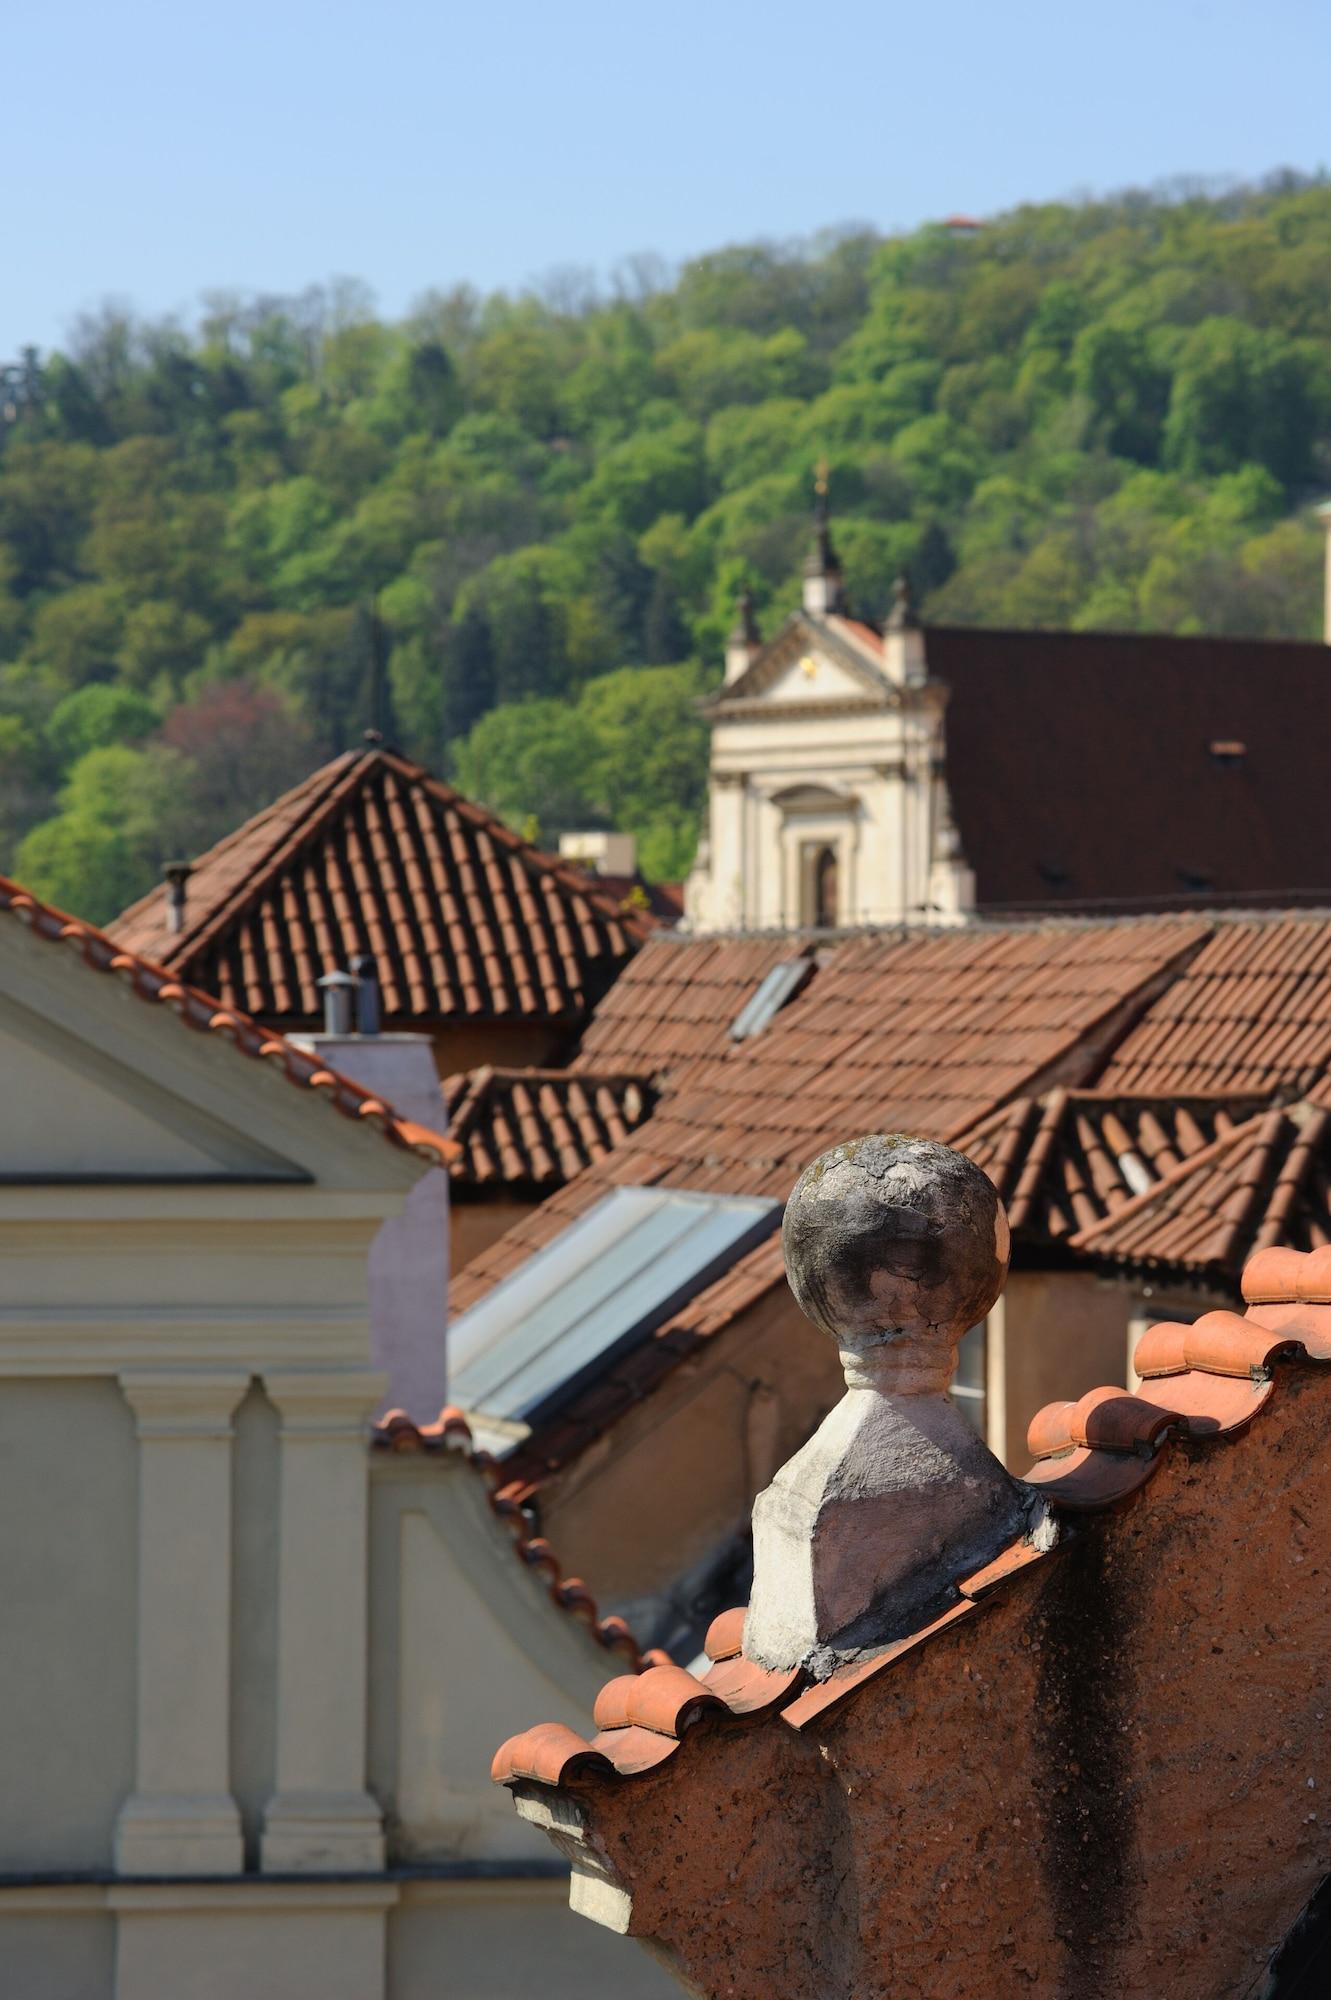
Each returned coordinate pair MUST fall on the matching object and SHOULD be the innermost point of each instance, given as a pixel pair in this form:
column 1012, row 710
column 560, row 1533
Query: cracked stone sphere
column 893, row 1234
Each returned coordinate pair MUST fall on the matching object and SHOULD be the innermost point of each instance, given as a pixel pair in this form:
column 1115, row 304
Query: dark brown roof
column 465, row 920
column 534, row 1129
column 1081, row 770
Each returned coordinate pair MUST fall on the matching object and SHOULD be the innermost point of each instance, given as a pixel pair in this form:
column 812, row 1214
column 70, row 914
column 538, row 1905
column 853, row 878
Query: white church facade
column 828, row 801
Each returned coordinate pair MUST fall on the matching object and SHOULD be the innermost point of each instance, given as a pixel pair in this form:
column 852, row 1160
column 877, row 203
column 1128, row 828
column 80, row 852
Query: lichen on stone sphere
column 891, row 1234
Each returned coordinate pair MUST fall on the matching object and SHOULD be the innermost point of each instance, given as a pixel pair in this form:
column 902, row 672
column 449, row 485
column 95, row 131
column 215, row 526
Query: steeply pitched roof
column 154, row 984
column 534, row 1129
column 465, row 920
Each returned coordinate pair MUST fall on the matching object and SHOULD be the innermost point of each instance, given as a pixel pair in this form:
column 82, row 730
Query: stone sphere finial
column 895, row 1246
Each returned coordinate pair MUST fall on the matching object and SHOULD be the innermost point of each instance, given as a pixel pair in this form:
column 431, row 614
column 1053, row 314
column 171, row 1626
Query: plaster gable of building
column 94, row 950
column 1143, row 1653
column 470, row 927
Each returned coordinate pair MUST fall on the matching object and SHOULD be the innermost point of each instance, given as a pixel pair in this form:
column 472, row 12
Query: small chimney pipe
column 368, row 1013
column 338, row 989
column 176, row 874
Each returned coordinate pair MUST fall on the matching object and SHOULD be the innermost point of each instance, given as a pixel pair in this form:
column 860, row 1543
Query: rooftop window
column 605, row 1283
column 782, row 983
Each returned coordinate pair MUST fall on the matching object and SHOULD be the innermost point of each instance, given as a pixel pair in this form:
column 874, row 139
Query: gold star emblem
column 808, row 666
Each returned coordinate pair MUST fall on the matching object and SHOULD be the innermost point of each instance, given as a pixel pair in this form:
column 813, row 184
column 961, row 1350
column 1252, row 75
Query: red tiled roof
column 1265, row 1181
column 451, row 1433
column 1252, row 1012
column 153, row 983
column 537, row 1128
column 465, row 920
column 1065, row 1162
column 924, row 1033
column 673, row 1006
column 1202, row 1382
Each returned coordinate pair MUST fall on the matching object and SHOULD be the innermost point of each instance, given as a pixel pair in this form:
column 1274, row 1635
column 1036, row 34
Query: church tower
column 827, row 803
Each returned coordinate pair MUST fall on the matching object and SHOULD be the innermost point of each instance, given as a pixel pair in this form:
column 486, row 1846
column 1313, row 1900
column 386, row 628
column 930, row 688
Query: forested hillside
column 510, row 531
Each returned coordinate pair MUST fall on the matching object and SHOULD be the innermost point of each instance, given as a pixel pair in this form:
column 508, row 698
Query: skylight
column 604, row 1284
column 782, row 983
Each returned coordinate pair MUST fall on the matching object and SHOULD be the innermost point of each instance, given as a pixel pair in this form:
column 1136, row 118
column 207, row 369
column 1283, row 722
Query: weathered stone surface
column 1111, row 1780
column 895, row 1247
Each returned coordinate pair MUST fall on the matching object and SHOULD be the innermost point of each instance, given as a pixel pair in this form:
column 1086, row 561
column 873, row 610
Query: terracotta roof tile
column 196, row 1010
column 1069, row 1160
column 1266, row 1177
column 1122, row 1438
column 535, row 1129
column 371, row 854
column 1251, row 1012
column 663, row 1016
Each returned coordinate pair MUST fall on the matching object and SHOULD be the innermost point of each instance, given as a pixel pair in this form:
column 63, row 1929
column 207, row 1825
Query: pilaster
column 181, row 1818
column 321, row 1819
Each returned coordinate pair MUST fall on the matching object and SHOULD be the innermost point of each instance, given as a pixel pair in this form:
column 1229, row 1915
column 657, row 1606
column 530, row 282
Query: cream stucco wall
column 240, row 1654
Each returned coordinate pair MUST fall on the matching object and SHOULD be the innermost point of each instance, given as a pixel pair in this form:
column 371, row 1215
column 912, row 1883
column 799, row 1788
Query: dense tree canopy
column 509, row 531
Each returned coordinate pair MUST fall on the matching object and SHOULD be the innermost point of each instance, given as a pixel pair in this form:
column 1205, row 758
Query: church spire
column 822, row 568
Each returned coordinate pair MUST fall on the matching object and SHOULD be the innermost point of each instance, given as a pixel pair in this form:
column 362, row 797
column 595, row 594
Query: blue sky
column 151, row 150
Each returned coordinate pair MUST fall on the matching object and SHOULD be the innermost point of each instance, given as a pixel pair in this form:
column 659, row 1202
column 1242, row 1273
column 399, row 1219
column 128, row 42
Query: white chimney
column 409, row 1256
column 606, row 853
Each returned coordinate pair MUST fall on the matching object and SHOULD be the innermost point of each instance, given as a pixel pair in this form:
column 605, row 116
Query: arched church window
column 821, row 886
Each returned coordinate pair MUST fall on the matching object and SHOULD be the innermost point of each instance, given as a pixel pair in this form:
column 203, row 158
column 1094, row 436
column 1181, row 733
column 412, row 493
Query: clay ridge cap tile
column 725, row 1635
column 395, row 1431
column 1220, row 1343
column 1288, row 1277
column 547, row 1753
column 748, row 1689
column 666, row 1699
column 1085, row 1480
column 152, row 983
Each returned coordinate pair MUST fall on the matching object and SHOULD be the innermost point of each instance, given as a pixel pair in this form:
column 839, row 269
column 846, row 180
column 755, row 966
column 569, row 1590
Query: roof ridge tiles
column 1096, row 1454
column 450, row 1433
column 154, row 983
